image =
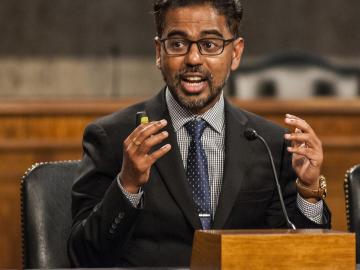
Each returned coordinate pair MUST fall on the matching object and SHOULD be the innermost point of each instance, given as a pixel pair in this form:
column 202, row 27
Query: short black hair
column 231, row 9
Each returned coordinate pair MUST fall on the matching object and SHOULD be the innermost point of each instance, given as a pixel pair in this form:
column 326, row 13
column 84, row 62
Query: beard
column 193, row 102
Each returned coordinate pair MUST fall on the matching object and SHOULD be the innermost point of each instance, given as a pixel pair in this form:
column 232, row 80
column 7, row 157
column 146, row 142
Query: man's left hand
column 307, row 151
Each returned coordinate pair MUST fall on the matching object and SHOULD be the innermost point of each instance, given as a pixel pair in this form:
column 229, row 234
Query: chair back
column 352, row 204
column 46, row 214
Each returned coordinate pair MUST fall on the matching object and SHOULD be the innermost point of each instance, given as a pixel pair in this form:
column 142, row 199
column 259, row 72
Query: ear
column 158, row 52
column 238, row 48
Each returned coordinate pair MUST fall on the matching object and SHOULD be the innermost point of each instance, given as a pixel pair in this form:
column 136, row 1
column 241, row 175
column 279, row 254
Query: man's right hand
column 137, row 159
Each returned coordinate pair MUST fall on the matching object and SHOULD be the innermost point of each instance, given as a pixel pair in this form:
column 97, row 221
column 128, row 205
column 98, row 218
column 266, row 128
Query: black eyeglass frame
column 191, row 42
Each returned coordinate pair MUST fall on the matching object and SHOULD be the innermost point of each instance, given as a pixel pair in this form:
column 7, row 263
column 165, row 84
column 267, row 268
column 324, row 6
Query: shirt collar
column 180, row 116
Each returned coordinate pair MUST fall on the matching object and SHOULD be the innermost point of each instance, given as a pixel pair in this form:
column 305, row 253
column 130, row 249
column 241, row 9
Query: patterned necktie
column 197, row 172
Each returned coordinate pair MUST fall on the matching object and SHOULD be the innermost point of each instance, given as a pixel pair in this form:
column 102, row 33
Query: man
column 142, row 191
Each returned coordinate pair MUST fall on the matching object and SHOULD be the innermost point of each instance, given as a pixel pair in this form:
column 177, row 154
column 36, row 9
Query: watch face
column 319, row 193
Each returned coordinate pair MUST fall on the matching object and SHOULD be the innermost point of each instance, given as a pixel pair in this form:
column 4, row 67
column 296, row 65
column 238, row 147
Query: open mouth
column 193, row 84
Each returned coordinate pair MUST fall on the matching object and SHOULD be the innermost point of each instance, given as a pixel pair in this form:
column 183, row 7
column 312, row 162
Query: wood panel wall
column 45, row 131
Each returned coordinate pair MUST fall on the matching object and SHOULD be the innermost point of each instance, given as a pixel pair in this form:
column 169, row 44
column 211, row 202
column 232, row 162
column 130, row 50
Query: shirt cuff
column 134, row 198
column 313, row 211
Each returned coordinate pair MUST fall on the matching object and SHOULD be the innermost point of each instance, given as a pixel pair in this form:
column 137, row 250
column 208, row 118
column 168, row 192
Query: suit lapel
column 237, row 156
column 170, row 166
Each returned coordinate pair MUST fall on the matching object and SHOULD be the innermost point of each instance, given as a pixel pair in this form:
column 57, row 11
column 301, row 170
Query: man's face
column 196, row 80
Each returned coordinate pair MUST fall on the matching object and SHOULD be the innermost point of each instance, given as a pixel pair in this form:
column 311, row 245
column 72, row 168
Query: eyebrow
column 176, row 33
column 211, row 32
column 202, row 34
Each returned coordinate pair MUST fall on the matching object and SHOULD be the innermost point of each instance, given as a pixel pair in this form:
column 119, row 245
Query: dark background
column 102, row 27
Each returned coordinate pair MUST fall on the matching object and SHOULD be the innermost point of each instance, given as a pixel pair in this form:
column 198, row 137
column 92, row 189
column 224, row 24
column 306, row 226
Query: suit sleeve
column 103, row 218
column 287, row 177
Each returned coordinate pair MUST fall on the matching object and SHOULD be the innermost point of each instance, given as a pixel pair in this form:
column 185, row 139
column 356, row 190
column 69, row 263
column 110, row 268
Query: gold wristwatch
column 307, row 193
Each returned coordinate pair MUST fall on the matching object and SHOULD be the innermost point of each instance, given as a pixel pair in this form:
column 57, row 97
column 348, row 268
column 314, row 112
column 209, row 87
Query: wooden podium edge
column 273, row 249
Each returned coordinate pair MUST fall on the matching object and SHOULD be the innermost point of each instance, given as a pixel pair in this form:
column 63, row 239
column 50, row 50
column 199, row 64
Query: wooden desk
column 32, row 131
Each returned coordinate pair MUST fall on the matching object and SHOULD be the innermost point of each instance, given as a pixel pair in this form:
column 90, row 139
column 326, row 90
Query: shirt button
column 117, row 220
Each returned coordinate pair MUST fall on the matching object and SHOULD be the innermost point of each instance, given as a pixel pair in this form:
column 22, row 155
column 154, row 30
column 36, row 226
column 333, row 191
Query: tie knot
column 195, row 128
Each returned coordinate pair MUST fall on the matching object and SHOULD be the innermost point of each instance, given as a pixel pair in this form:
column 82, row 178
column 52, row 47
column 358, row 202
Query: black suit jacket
column 108, row 231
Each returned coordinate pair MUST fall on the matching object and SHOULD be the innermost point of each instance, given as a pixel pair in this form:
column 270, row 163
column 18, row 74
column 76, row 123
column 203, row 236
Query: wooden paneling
column 43, row 131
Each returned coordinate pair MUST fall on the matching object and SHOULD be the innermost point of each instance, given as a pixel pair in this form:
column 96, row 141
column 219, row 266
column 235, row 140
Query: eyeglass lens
column 210, row 46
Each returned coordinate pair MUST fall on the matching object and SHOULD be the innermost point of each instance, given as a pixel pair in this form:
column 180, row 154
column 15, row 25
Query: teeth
column 193, row 79
column 193, row 83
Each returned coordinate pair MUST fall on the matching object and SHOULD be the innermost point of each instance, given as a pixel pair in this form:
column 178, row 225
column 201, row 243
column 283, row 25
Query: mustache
column 195, row 69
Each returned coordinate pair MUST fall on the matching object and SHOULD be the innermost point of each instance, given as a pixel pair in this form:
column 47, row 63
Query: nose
column 193, row 57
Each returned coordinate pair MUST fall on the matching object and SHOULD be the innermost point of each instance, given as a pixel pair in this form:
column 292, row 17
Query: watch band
column 307, row 193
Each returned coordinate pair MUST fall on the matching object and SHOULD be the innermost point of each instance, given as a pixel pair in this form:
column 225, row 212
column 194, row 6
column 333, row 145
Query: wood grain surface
column 276, row 249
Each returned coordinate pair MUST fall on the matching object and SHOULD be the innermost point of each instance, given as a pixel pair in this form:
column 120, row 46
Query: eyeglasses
column 206, row 46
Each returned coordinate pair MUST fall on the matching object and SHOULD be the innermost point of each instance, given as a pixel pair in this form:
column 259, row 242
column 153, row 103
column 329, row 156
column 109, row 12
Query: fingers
column 299, row 123
column 140, row 142
column 301, row 139
column 314, row 156
column 150, row 142
column 304, row 141
column 303, row 135
column 137, row 159
column 141, row 133
column 153, row 157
